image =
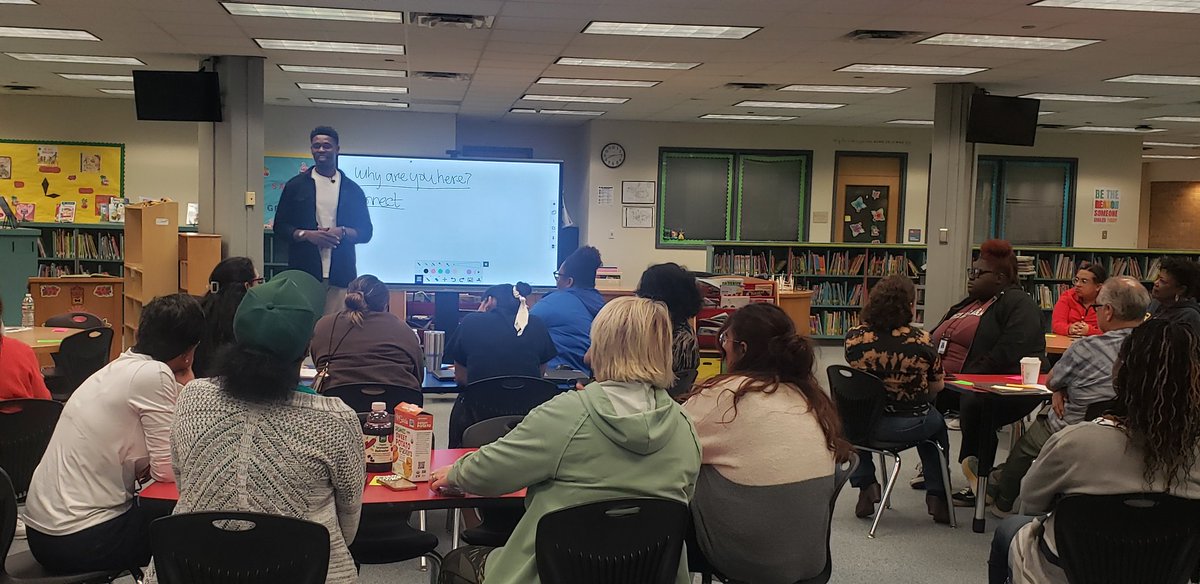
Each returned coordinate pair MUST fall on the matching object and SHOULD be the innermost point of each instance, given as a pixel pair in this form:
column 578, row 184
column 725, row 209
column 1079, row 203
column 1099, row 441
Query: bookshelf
column 275, row 256
column 151, row 259
column 66, row 249
column 199, row 253
column 839, row 274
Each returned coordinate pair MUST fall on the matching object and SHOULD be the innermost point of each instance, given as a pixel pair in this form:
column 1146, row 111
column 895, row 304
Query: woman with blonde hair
column 621, row 436
column 364, row 343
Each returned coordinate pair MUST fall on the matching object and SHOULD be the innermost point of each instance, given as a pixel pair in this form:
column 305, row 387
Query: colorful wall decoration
column 68, row 181
column 277, row 170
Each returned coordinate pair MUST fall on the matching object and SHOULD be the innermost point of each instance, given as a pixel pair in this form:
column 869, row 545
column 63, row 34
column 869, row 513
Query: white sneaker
column 953, row 424
column 20, row 529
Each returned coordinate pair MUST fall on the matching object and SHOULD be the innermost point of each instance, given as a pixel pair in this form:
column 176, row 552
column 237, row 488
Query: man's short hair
column 169, row 326
column 1127, row 297
column 324, row 131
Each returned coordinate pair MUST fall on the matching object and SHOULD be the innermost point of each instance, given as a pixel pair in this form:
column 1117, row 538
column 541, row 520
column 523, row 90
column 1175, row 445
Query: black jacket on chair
column 1010, row 330
column 297, row 209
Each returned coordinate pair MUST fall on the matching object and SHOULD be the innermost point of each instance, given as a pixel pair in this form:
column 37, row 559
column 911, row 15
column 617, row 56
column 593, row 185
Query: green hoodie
column 576, row 449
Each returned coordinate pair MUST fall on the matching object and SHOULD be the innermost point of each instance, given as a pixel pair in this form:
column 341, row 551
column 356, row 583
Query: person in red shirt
column 1073, row 313
column 20, row 375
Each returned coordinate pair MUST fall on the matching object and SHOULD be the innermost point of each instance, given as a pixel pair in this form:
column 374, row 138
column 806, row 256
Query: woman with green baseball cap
column 297, row 453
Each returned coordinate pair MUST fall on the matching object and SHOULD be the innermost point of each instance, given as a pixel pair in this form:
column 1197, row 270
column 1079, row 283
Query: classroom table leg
column 424, row 566
column 986, row 457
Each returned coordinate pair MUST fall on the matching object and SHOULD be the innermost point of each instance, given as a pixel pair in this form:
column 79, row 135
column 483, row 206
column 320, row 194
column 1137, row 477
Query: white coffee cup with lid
column 1030, row 368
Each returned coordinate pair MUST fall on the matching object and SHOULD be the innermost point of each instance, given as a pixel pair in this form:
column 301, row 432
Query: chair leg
column 457, row 529
column 887, row 493
column 883, row 473
column 946, row 482
column 424, row 564
column 1016, row 430
column 435, row 559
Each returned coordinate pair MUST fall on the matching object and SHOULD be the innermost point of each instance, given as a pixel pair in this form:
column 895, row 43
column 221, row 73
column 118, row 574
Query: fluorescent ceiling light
column 789, row 104
column 573, row 98
column 23, row 2
column 85, row 59
column 1185, row 6
column 912, row 122
column 1006, row 42
column 842, row 88
column 345, row 71
column 596, row 82
column 910, row 69
column 117, row 91
column 1080, row 97
column 94, row 77
column 1046, row 113
column 330, row 47
column 313, row 12
column 747, row 117
column 1158, row 79
column 392, row 104
column 586, row 62
column 1170, row 156
column 61, row 34
column 1188, row 119
column 355, row 88
column 689, row 31
column 554, row 112
column 1171, row 144
column 1116, row 129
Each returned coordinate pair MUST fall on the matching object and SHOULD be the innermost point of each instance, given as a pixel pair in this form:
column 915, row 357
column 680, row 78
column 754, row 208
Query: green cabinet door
column 18, row 263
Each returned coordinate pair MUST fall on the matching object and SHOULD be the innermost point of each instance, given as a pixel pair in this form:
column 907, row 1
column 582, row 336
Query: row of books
column 837, row 294
column 84, row 246
column 837, row 263
column 893, row 264
column 1064, row 267
column 743, row 264
column 834, row 323
column 1047, row 295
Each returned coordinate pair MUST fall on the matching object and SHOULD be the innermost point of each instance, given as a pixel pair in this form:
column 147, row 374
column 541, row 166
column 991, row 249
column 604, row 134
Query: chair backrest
column 26, row 426
column 490, row 430
column 507, row 396
column 1150, row 538
column 82, row 354
column 8, row 518
column 1095, row 410
column 841, row 474
column 76, row 320
column 684, row 380
column 248, row 548
column 360, row 395
column 624, row 541
column 860, row 398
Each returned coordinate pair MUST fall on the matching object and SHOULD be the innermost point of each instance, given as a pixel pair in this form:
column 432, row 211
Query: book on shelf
column 1047, row 295
column 832, row 323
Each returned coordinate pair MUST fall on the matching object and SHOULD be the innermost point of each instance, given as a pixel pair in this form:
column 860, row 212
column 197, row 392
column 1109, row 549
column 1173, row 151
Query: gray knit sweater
column 299, row 457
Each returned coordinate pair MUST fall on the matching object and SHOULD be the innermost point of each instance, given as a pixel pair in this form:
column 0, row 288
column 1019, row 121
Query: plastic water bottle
column 377, row 439
column 27, row 310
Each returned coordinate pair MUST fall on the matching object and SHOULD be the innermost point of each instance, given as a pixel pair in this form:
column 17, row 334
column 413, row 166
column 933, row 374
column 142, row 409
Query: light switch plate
column 250, row 198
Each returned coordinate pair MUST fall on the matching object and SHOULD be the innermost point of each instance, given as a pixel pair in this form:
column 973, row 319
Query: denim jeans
column 998, row 569
column 931, row 426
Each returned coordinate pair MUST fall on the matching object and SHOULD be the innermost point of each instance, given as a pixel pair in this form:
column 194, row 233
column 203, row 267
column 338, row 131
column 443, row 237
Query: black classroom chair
column 359, row 396
column 249, row 548
column 623, row 541
column 496, row 525
column 78, row 357
column 26, row 426
column 495, row 397
column 75, row 320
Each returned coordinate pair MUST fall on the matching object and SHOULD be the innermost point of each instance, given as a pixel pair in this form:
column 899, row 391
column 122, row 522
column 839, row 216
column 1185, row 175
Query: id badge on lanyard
column 942, row 346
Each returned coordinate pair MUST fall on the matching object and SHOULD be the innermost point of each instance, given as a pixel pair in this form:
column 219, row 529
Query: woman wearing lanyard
column 989, row 332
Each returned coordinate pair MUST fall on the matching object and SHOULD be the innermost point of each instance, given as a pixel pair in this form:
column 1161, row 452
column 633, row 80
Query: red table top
column 983, row 380
column 376, row 494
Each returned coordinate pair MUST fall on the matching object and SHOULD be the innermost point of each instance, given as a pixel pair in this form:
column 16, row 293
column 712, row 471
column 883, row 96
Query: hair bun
column 356, row 302
column 996, row 248
column 523, row 289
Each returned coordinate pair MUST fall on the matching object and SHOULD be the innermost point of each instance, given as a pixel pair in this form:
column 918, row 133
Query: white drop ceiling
column 800, row 42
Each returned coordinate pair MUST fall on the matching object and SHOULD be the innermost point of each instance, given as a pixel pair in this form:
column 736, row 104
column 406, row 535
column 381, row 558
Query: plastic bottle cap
column 378, row 407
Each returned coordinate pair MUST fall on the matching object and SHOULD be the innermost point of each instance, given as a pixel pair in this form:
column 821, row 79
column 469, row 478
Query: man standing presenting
column 321, row 216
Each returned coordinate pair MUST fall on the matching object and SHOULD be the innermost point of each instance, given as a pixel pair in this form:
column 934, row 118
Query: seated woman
column 989, row 332
column 501, row 340
column 365, row 343
column 1152, row 448
column 252, row 438
column 1175, row 292
column 767, row 432
column 886, row 346
column 20, row 374
column 568, row 312
column 1073, row 313
column 676, row 287
column 621, row 436
column 227, row 284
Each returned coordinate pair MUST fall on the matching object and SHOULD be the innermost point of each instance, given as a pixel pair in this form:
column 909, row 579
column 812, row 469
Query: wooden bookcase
column 199, row 253
column 151, row 259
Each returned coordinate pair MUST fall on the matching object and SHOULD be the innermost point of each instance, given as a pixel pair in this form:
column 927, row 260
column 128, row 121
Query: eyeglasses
column 1081, row 281
column 257, row 281
column 973, row 273
column 557, row 274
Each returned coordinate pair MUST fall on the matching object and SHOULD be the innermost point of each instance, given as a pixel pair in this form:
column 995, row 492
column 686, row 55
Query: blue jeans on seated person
column 899, row 428
column 1006, row 530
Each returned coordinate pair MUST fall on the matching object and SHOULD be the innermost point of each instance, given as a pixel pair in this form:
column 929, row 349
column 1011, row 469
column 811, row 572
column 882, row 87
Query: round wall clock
column 612, row 155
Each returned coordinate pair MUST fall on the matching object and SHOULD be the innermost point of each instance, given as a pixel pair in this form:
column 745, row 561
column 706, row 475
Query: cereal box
column 414, row 441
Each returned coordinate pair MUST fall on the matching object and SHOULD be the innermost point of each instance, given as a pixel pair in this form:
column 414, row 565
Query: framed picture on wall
column 865, row 215
column 637, row 192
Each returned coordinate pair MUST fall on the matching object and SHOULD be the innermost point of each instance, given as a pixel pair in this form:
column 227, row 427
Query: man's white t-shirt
column 328, row 193
column 116, row 427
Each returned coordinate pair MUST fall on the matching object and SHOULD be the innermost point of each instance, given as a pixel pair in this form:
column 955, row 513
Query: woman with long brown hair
column 765, row 423
column 1151, row 446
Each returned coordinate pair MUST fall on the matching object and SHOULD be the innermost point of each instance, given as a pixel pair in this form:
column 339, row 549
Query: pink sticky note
column 60, row 330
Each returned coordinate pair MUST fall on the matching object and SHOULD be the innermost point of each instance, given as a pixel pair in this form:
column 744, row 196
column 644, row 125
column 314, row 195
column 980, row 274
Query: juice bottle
column 377, row 439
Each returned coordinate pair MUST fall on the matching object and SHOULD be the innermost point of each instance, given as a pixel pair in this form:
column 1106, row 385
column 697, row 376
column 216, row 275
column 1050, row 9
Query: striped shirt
column 1085, row 373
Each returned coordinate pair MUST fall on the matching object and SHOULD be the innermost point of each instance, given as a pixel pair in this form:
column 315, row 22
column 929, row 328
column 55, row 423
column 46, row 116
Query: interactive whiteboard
column 454, row 222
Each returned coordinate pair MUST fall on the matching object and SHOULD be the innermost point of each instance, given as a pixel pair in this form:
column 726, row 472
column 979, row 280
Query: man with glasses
column 1081, row 378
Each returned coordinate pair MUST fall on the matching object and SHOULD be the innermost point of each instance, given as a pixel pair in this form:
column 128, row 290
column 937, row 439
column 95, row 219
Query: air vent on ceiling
column 444, row 20
column 21, row 87
column 442, row 75
column 752, row 86
column 882, row 35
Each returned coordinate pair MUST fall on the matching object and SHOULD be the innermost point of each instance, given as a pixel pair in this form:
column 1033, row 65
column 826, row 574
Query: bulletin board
column 277, row 170
column 38, row 177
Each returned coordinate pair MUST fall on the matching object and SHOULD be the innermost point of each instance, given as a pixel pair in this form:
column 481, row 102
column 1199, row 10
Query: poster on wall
column 277, row 170
column 61, row 181
column 865, row 218
column 1107, row 207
